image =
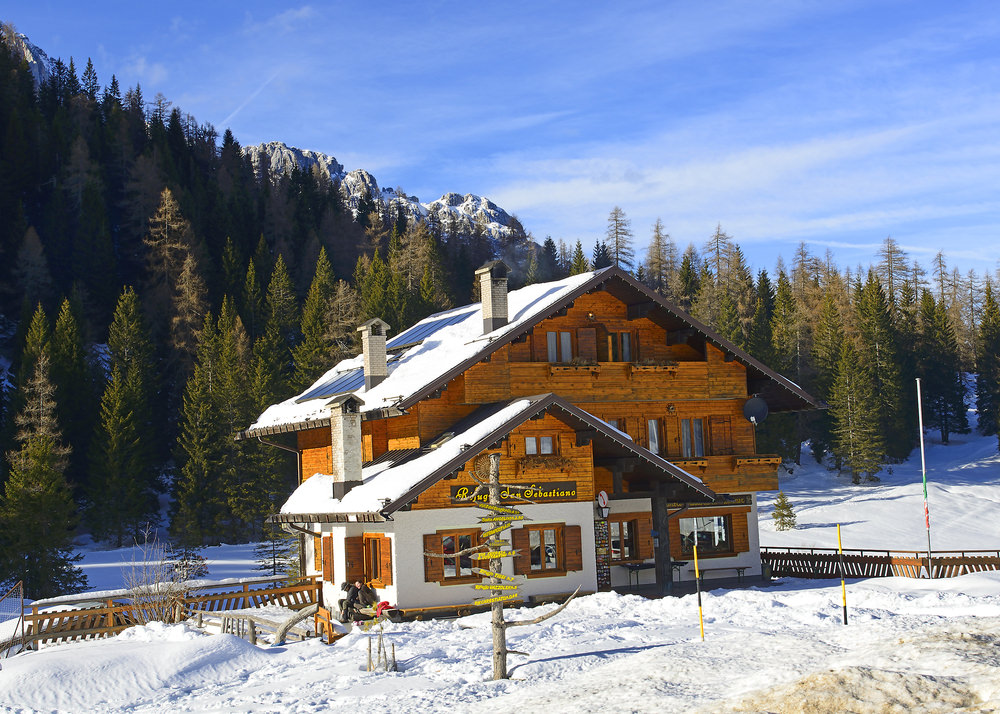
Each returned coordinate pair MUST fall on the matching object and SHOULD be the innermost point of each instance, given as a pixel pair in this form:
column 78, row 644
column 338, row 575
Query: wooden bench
column 740, row 570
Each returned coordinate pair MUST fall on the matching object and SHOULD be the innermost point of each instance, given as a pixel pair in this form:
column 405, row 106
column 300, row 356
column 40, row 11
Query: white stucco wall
column 408, row 559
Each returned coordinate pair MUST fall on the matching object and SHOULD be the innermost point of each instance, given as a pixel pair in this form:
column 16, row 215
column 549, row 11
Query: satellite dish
column 755, row 410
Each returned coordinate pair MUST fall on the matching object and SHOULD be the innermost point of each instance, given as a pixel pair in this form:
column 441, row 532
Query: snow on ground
column 108, row 568
column 963, row 496
column 910, row 645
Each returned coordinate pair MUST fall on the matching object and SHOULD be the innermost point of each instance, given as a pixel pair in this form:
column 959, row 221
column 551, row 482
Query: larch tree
column 661, row 260
column 618, row 239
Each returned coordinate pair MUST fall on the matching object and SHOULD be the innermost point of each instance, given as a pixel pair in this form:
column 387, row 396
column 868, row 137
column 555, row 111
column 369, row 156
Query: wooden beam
column 661, row 525
column 585, row 436
column 625, row 464
column 639, row 309
column 680, row 337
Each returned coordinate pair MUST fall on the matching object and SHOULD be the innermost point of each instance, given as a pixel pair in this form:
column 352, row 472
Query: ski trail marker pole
column 697, row 584
column 843, row 584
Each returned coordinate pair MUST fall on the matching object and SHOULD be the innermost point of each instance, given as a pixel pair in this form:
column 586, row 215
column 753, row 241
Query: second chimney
column 345, row 443
column 373, row 346
column 493, row 290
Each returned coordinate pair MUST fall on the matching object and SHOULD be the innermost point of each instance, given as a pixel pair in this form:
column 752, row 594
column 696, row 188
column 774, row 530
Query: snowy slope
column 910, row 645
column 963, row 496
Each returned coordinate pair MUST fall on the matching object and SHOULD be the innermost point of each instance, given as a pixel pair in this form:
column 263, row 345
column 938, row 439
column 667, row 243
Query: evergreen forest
column 157, row 294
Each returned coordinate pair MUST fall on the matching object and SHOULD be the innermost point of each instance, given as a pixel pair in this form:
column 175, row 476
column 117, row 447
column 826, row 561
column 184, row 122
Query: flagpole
column 923, row 471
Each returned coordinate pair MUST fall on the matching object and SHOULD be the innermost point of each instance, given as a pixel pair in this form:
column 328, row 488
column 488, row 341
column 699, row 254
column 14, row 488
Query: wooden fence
column 826, row 563
column 80, row 618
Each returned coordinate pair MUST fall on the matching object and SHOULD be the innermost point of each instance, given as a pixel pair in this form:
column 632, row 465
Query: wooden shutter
column 644, row 536
column 354, row 558
column 328, row 558
column 574, row 548
column 433, row 567
column 540, row 344
column 721, row 435
column 521, row 543
column 385, row 560
column 586, row 343
column 318, row 553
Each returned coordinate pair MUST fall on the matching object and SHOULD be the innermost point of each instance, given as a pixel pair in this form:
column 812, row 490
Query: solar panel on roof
column 338, row 384
column 423, row 330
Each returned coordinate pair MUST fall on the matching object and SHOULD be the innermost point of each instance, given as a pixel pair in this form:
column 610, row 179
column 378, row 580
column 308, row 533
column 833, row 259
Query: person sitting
column 359, row 595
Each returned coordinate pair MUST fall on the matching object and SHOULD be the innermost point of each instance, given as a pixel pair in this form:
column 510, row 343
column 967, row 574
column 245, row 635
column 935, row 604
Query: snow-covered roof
column 426, row 356
column 422, row 354
column 389, row 485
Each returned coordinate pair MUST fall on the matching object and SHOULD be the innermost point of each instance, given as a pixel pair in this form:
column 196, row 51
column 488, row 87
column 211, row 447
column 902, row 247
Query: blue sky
column 833, row 123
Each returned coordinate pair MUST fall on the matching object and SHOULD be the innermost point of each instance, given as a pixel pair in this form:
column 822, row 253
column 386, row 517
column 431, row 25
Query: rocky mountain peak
column 453, row 211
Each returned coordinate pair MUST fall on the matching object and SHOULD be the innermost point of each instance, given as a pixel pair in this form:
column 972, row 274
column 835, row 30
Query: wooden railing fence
column 825, row 563
column 104, row 617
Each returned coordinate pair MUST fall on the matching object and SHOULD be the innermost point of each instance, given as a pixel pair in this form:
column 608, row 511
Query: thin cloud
column 228, row 120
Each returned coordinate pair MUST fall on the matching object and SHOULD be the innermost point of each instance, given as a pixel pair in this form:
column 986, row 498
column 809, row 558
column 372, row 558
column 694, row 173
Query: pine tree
column 601, row 257
column 877, row 356
column 253, row 310
column 988, row 365
column 619, row 240
column 579, row 264
column 74, row 394
column 37, row 514
column 121, row 498
column 783, row 515
column 197, row 514
column 314, row 353
column 938, row 368
column 688, row 279
column 857, row 438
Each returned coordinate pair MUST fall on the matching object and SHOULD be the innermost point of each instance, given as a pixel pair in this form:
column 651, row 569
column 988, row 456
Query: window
column 623, row 539
column 455, row 542
column 653, row 431
column 560, row 346
column 544, row 445
column 376, row 558
column 714, row 535
column 543, row 545
column 692, row 438
column 547, row 550
column 620, row 346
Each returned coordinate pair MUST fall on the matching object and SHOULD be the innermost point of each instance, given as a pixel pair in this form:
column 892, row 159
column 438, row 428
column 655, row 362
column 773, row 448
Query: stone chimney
column 345, row 443
column 373, row 346
column 493, row 290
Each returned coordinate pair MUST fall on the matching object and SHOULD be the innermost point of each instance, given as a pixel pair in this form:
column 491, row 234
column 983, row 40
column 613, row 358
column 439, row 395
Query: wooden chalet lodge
column 584, row 385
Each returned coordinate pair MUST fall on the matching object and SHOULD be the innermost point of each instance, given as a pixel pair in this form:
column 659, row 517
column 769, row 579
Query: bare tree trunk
column 496, row 565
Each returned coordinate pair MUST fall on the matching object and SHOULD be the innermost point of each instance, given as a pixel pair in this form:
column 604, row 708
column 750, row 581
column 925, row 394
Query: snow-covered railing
column 826, row 562
column 94, row 615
